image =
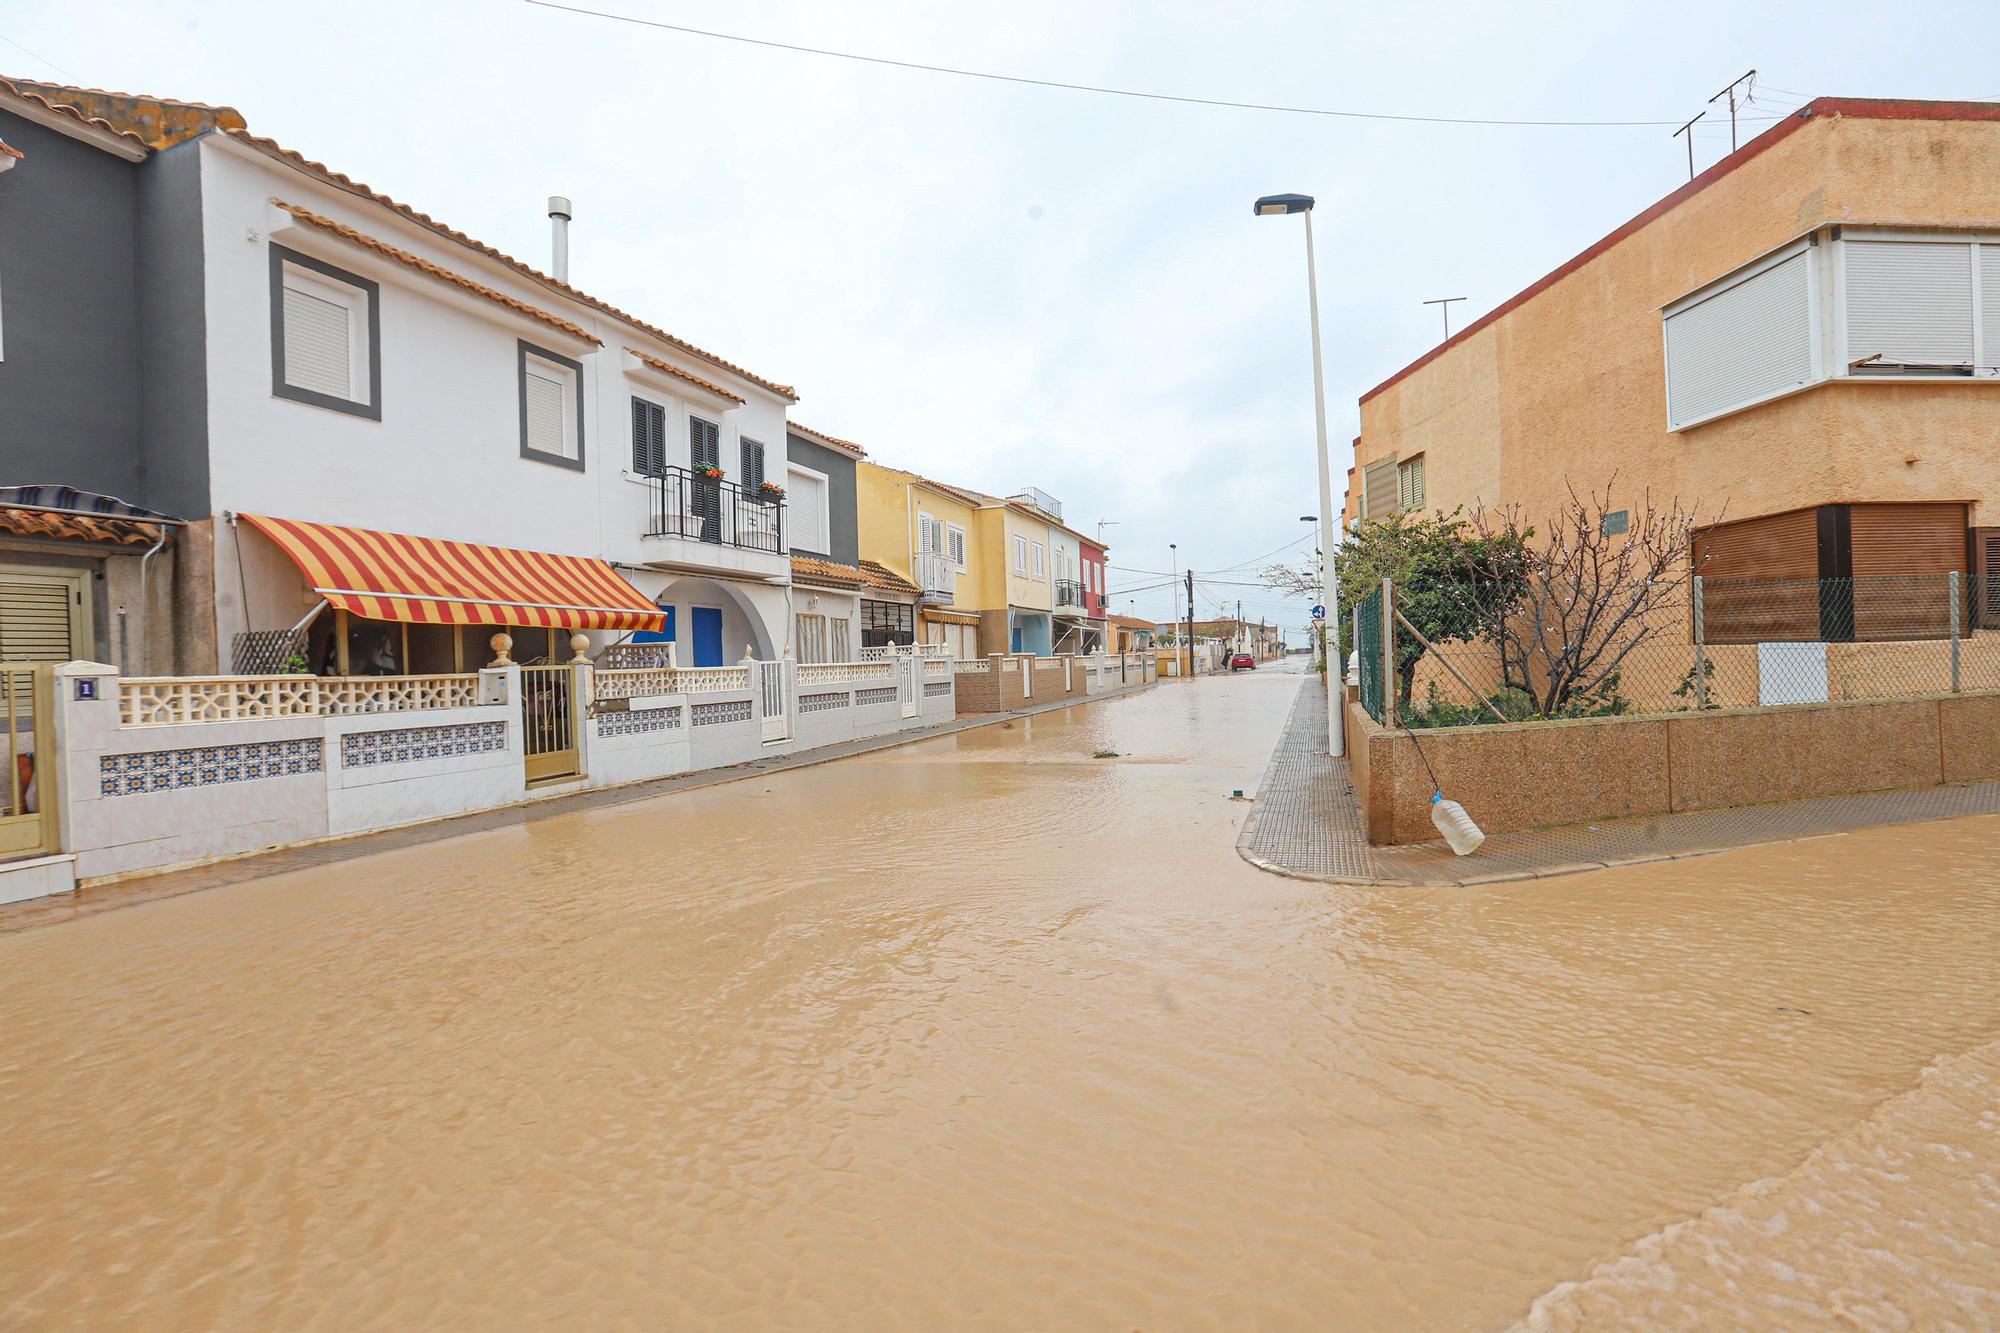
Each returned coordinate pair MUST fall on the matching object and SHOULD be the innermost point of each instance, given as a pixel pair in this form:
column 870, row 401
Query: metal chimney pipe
column 559, row 215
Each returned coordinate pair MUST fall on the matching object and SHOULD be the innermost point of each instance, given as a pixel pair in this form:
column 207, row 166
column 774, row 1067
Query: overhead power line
column 1098, row 89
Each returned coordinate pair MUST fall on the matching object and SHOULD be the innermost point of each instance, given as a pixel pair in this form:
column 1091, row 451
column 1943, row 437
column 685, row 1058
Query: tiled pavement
column 1307, row 824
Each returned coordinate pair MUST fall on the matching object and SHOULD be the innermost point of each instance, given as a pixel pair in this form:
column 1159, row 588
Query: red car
column 1243, row 662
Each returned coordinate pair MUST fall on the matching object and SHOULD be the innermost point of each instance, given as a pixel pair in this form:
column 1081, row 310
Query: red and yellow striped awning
column 424, row 580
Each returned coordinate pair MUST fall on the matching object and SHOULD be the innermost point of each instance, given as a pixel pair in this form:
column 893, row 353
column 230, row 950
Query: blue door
column 1016, row 637
column 707, row 636
column 665, row 633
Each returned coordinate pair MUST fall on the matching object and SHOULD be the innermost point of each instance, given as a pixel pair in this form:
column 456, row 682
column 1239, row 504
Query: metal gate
column 909, row 671
column 771, row 697
column 548, row 721
column 27, row 818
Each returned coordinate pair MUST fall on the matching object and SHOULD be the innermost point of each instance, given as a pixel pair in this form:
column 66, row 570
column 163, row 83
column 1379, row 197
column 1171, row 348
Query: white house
column 367, row 369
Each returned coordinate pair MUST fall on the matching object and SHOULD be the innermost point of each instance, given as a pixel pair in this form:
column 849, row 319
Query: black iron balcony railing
column 1069, row 592
column 683, row 504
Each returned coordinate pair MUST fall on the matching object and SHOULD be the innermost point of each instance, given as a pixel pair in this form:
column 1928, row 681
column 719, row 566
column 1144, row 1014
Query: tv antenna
column 1730, row 92
column 1684, row 130
column 1443, row 303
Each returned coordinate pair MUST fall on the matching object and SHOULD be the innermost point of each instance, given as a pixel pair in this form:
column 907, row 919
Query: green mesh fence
column 1369, row 644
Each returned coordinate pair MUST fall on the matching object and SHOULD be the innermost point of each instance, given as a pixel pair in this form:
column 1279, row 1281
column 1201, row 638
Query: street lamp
column 1274, row 205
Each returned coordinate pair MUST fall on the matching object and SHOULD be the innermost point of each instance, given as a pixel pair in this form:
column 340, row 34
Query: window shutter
column 319, row 345
column 1923, row 543
column 803, row 502
column 956, row 537
column 649, row 438
column 1379, row 481
column 703, row 443
column 1989, row 314
column 753, row 465
column 545, row 412
column 1986, row 577
column 1909, row 301
column 1743, row 343
column 35, row 621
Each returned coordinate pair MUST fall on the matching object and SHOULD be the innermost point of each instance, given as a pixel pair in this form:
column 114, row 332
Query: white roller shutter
column 1909, row 301
column 1744, row 343
column 1989, row 315
column 548, row 417
column 319, row 341
column 804, row 504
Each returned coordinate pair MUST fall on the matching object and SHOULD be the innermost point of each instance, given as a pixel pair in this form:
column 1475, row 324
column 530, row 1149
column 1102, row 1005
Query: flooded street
column 985, row 1031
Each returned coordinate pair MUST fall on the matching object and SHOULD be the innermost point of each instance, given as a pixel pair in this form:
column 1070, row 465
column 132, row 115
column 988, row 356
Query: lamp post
column 1275, row 205
column 1319, row 556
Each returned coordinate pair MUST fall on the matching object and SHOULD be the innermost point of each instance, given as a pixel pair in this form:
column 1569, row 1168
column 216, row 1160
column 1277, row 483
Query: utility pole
column 1684, row 130
column 1190, row 623
column 1443, row 303
column 1174, row 565
column 1730, row 92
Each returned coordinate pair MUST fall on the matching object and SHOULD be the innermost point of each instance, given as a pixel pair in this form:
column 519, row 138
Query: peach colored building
column 1802, row 342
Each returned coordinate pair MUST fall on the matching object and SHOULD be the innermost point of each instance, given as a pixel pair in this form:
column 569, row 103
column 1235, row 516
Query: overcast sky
column 1006, row 286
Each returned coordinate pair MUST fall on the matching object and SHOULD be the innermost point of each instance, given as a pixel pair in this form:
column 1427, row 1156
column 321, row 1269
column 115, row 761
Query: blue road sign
column 1319, row 613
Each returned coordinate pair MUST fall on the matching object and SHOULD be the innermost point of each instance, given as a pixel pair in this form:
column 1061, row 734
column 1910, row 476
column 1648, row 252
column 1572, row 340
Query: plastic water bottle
column 1457, row 826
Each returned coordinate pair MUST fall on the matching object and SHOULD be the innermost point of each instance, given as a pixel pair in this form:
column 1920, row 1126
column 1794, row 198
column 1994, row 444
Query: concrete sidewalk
column 1308, row 824
column 147, row 886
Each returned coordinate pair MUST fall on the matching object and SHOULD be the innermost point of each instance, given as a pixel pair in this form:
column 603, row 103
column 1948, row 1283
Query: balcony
column 938, row 577
column 719, row 513
column 1069, row 594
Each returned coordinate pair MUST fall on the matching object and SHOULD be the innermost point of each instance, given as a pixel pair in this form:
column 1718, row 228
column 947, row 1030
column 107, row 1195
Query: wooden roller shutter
column 1378, row 488
column 1759, row 579
column 1902, row 555
column 1986, row 577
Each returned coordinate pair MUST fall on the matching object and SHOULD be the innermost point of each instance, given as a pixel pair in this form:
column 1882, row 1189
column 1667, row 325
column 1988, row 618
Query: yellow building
column 1803, row 341
column 923, row 531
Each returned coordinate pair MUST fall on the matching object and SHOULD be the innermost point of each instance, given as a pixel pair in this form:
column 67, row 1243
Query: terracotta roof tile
column 54, row 103
column 1130, row 622
column 826, row 571
column 667, row 368
column 78, row 527
column 423, row 265
column 9, row 150
column 888, row 580
column 272, row 148
column 821, row 437
column 157, row 122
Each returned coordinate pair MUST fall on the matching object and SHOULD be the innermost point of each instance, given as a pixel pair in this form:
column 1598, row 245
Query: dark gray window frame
column 372, row 409
column 522, row 351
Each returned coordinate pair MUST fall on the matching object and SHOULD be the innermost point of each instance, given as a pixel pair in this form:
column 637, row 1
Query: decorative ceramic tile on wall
column 820, row 703
column 404, row 745
column 937, row 689
column 635, row 723
column 206, row 766
column 708, row 715
column 882, row 696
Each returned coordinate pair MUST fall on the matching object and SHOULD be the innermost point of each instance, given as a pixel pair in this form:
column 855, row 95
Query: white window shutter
column 1989, row 314
column 319, row 344
column 1746, row 342
column 546, row 413
column 802, row 511
column 1909, row 301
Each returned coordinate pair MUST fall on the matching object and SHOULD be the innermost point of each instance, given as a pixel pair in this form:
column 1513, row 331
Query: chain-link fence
column 1721, row 644
column 1367, row 636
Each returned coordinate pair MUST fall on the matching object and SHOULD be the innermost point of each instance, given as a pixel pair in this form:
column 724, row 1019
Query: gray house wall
column 843, row 539
column 102, row 361
column 69, row 316
column 173, row 334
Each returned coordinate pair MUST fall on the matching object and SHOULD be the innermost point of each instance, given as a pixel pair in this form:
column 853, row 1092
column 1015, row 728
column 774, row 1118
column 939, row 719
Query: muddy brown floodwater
column 985, row 1032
